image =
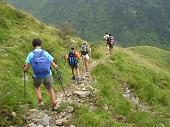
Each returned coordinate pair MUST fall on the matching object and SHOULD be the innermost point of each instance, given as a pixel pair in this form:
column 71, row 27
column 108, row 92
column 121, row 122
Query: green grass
column 145, row 69
column 85, row 118
column 97, row 50
column 146, row 79
column 159, row 56
column 17, row 30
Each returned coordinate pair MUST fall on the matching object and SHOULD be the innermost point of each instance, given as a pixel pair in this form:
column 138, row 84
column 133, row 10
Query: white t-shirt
column 106, row 37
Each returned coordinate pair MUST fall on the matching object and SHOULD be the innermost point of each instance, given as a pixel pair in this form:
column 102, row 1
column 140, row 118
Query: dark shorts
column 74, row 66
column 47, row 81
column 110, row 46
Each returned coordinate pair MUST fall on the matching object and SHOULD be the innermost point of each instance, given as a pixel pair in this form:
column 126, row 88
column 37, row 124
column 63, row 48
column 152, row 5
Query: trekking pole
column 60, row 80
column 24, row 85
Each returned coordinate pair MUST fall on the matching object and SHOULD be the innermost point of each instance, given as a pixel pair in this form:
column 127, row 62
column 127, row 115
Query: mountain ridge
column 131, row 22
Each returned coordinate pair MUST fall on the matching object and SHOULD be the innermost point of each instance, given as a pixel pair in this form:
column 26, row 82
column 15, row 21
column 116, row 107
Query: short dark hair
column 110, row 34
column 36, row 42
column 106, row 33
column 72, row 48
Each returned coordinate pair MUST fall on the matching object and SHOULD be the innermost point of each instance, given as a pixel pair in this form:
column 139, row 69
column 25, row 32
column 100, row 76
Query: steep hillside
column 133, row 22
column 17, row 30
column 159, row 56
column 130, row 88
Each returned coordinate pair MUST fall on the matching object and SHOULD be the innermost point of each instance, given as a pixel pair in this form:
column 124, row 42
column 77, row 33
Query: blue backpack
column 40, row 64
column 72, row 59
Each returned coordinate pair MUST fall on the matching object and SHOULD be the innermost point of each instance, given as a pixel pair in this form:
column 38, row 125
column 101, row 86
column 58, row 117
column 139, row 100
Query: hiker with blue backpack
column 41, row 60
column 73, row 60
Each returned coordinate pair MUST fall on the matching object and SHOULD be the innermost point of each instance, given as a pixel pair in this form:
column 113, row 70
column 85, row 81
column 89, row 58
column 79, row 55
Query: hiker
column 111, row 43
column 106, row 39
column 40, row 60
column 73, row 58
column 85, row 50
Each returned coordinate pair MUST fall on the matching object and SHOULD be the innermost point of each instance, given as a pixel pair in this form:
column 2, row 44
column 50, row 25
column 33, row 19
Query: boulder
column 45, row 120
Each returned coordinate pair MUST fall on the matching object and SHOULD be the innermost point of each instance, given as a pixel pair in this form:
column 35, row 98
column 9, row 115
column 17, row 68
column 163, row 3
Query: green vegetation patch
column 85, row 118
column 146, row 82
column 18, row 31
column 159, row 56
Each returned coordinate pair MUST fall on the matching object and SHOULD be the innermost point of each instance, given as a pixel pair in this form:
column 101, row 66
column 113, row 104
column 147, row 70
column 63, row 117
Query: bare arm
column 26, row 67
column 89, row 49
column 54, row 65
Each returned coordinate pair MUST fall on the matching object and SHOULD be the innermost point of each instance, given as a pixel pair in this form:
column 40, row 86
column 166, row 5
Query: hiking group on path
column 41, row 62
column 109, row 41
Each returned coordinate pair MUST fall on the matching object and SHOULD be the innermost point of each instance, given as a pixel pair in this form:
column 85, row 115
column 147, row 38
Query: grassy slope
column 145, row 77
column 17, row 30
column 149, row 81
column 159, row 56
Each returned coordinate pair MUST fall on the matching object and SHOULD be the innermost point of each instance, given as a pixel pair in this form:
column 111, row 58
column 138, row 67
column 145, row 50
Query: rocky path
column 129, row 94
column 81, row 94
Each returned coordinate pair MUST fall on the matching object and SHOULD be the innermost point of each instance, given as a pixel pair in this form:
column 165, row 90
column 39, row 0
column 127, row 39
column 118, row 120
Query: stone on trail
column 91, row 87
column 33, row 110
column 14, row 114
column 63, row 114
column 61, row 122
column 69, row 109
column 36, row 116
column 84, row 89
column 32, row 125
column 40, row 126
column 82, row 94
column 45, row 121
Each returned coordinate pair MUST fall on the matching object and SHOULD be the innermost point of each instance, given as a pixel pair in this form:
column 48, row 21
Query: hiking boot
column 41, row 104
column 73, row 78
column 55, row 107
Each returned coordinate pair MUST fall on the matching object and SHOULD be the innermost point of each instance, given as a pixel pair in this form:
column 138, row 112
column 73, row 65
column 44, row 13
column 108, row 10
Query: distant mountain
column 133, row 22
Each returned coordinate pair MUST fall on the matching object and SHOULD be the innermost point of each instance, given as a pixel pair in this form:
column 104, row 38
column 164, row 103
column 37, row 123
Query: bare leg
column 110, row 49
column 38, row 94
column 77, row 75
column 73, row 71
column 77, row 72
column 106, row 45
column 86, row 64
column 52, row 96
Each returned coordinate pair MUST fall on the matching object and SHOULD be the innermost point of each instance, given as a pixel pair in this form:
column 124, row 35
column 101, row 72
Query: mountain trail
column 78, row 95
column 82, row 94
